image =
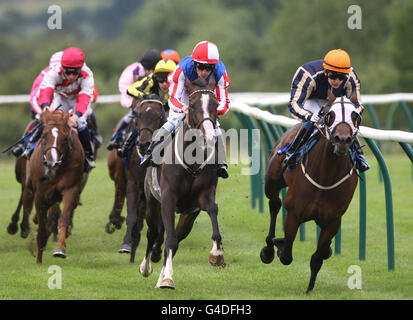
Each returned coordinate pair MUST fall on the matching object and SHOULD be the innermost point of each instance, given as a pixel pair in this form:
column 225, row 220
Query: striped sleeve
column 352, row 87
column 176, row 83
column 301, row 88
column 221, row 90
column 140, row 87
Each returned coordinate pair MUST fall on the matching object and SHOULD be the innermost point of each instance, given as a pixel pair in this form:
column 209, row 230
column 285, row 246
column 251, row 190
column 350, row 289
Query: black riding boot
column 86, row 142
column 116, row 139
column 302, row 136
column 33, row 140
column 156, row 140
column 222, row 165
column 361, row 162
column 124, row 148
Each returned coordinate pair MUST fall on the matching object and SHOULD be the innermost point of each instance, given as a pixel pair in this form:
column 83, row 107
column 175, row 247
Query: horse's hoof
column 216, row 261
column 24, row 234
column 146, row 272
column 60, row 253
column 12, row 228
column 120, row 222
column 55, row 238
column 125, row 248
column 279, row 243
column 156, row 256
column 167, row 284
column 267, row 254
column 110, row 228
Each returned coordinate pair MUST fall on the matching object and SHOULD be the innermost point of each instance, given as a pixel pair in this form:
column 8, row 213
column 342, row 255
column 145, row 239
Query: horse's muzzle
column 341, row 144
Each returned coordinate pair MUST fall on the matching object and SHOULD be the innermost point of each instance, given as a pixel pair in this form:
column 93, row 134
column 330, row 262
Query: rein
column 191, row 171
column 67, row 145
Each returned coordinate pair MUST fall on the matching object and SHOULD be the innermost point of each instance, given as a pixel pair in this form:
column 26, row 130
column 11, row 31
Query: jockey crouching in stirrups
column 73, row 83
column 203, row 63
column 309, row 92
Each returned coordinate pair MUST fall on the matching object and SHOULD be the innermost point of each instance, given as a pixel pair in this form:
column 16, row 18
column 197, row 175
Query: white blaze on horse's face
column 55, row 133
column 207, row 125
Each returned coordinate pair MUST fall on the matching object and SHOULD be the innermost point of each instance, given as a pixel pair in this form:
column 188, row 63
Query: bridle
column 160, row 118
column 197, row 126
column 62, row 154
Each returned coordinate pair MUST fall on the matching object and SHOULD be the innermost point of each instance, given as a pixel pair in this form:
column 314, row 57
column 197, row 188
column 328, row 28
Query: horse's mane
column 55, row 116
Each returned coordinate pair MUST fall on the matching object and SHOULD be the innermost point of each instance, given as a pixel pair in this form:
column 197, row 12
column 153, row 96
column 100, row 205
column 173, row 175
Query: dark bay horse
column 117, row 173
column 148, row 116
column 188, row 187
column 56, row 175
column 320, row 187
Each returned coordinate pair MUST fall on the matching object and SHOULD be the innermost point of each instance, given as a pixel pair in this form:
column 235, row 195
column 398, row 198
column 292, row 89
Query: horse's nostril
column 348, row 140
column 337, row 139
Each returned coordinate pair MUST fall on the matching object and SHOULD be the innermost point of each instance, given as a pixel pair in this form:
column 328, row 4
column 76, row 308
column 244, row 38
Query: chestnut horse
column 56, row 175
column 320, row 187
column 187, row 187
column 148, row 116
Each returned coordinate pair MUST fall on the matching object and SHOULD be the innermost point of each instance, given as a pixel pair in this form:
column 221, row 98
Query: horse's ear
column 330, row 97
column 211, row 84
column 66, row 117
column 188, row 84
column 353, row 97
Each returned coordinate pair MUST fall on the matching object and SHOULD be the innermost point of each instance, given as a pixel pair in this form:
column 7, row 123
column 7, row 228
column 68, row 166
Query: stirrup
column 113, row 144
column 17, row 150
column 146, row 161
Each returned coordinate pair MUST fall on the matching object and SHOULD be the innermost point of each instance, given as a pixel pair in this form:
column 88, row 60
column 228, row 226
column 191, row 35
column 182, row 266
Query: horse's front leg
column 70, row 200
column 171, row 244
column 216, row 257
column 323, row 251
column 28, row 198
column 42, row 232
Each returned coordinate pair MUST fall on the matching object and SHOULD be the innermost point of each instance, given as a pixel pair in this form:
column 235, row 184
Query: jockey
column 309, row 91
column 70, row 86
column 25, row 149
column 171, row 55
column 204, row 62
column 155, row 83
column 129, row 76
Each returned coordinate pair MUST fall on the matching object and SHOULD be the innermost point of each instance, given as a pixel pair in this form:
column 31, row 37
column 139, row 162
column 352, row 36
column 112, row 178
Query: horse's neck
column 323, row 162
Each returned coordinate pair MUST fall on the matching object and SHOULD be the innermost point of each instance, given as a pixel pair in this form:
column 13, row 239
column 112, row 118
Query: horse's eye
column 329, row 118
column 356, row 118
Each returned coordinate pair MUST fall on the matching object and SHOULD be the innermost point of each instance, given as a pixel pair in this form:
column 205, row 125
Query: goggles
column 69, row 71
column 204, row 66
column 336, row 75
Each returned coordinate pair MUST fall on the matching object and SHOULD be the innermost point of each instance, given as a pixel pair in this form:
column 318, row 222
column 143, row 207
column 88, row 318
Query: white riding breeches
column 174, row 119
column 314, row 105
column 66, row 104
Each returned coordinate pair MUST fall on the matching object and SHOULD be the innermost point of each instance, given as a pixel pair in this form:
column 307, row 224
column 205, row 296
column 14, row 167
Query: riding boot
column 222, row 170
column 86, row 142
column 156, row 140
column 124, row 148
column 18, row 150
column 32, row 141
column 301, row 137
column 116, row 139
column 94, row 131
column 361, row 162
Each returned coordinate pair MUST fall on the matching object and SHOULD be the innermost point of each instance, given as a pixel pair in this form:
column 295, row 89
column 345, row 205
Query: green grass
column 95, row 270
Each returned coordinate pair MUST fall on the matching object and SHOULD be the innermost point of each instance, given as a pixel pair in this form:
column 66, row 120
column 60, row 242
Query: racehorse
column 21, row 168
column 320, row 187
column 148, row 116
column 188, row 188
column 118, row 175
column 56, row 175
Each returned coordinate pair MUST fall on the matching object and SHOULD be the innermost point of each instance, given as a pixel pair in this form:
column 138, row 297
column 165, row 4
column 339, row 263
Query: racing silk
column 178, row 94
column 310, row 82
column 148, row 85
column 82, row 89
column 128, row 77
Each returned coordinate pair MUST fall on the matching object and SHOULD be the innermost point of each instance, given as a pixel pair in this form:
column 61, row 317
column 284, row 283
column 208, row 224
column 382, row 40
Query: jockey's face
column 71, row 74
column 203, row 70
column 335, row 79
column 163, row 85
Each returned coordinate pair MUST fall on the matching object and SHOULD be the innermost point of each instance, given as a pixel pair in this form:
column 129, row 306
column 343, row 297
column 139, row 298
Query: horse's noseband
column 62, row 154
column 198, row 125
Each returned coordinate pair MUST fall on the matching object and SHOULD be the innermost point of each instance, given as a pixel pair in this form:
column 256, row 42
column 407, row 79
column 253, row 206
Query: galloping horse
column 320, row 187
column 188, row 187
column 149, row 115
column 56, row 171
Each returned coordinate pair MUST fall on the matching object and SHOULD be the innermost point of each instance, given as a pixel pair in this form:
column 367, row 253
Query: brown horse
column 320, row 187
column 188, row 187
column 56, row 175
column 148, row 116
column 118, row 175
